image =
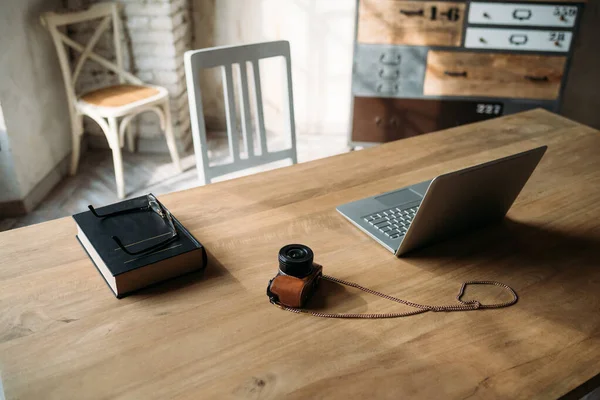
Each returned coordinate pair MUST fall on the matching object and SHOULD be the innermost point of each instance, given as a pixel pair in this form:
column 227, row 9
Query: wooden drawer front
column 517, row 106
column 388, row 71
column 518, row 39
column 382, row 120
column 418, row 23
column 493, row 75
column 522, row 14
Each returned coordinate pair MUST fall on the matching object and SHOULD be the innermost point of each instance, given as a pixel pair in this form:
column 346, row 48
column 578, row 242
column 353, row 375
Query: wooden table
column 215, row 335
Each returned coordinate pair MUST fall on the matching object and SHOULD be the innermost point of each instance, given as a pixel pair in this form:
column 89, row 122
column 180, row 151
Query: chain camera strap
column 420, row 308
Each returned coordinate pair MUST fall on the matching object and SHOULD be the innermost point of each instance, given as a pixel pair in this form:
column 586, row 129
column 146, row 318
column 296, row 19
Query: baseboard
column 35, row 196
column 45, row 186
column 144, row 145
column 13, row 208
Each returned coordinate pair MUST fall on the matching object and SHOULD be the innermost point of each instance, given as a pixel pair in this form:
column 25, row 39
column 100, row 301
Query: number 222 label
column 488, row 109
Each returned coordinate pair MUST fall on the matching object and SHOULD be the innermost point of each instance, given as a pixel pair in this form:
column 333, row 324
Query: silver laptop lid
column 470, row 198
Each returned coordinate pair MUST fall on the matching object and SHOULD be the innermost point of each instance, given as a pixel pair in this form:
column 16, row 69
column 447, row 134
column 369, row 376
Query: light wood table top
column 215, row 335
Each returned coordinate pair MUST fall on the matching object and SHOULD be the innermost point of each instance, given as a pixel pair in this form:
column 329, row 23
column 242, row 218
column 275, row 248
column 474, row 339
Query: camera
column 297, row 278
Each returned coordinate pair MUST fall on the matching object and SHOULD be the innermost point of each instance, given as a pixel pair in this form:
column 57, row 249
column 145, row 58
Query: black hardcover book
column 125, row 273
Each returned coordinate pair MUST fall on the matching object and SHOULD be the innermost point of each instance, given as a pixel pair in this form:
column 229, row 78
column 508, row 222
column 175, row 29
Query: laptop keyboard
column 393, row 222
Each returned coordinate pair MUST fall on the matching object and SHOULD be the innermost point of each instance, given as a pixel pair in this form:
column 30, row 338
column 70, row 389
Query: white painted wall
column 32, row 97
column 320, row 33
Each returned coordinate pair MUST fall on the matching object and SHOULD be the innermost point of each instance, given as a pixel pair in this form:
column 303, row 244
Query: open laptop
column 411, row 217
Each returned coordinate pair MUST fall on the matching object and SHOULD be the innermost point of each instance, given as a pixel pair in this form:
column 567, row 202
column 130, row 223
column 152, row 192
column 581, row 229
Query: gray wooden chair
column 225, row 57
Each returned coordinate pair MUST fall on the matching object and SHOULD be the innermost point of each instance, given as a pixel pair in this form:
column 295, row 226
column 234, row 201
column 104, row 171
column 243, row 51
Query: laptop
column 426, row 212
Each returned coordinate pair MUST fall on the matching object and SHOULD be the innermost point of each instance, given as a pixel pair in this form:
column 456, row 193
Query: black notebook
column 137, row 231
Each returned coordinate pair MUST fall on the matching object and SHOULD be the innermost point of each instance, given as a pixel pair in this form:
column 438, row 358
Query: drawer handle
column 518, row 39
column 390, row 77
column 394, row 89
column 536, row 78
column 456, row 74
column 413, row 13
column 393, row 122
column 522, row 14
column 389, row 62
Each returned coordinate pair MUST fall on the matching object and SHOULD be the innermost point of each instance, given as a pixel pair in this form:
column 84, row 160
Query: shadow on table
column 332, row 297
column 520, row 243
column 556, row 273
column 190, row 282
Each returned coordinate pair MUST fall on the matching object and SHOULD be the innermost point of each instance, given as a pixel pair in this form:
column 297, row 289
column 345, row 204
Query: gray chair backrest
column 225, row 57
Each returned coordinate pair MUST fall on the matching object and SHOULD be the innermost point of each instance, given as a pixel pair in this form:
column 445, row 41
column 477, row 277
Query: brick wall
column 155, row 35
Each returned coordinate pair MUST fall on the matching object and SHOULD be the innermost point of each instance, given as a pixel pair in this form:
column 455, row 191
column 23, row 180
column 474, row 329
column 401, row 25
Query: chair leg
column 76, row 131
column 114, row 142
column 75, row 154
column 168, row 129
column 130, row 134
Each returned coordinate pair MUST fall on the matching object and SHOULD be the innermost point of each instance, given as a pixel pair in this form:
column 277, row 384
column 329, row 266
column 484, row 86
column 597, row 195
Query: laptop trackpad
column 398, row 197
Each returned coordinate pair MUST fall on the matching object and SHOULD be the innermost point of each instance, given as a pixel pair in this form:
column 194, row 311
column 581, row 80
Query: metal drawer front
column 388, row 71
column 518, row 39
column 522, row 14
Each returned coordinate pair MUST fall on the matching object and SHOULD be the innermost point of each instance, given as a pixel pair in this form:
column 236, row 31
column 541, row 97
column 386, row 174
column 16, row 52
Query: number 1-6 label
column 452, row 14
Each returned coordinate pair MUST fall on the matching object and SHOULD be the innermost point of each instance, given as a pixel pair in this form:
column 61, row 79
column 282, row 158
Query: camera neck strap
column 419, row 308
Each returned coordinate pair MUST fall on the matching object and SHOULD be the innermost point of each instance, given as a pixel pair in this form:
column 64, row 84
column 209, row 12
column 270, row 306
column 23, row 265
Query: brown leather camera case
column 293, row 291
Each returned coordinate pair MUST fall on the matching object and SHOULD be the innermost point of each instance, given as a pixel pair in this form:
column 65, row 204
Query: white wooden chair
column 226, row 57
column 106, row 105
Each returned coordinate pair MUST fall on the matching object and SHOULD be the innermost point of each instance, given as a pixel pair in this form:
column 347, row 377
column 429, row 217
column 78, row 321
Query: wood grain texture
column 387, row 22
column 495, row 75
column 119, row 95
column 64, row 335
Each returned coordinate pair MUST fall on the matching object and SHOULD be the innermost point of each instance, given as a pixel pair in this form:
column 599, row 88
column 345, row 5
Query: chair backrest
column 107, row 12
column 225, row 57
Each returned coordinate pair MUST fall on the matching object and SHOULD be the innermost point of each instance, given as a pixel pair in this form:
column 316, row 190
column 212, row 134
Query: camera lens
column 295, row 253
column 296, row 260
